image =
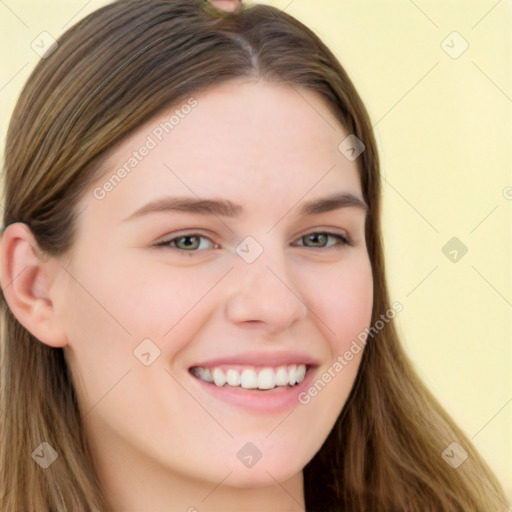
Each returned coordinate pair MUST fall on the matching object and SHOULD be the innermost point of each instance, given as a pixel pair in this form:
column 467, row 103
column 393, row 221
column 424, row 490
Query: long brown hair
column 111, row 72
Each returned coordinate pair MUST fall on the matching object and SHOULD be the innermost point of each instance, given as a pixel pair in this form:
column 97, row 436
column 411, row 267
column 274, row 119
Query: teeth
column 233, row 377
column 266, row 379
column 301, row 373
column 204, row 374
column 218, row 377
column 292, row 375
column 281, row 376
column 250, row 378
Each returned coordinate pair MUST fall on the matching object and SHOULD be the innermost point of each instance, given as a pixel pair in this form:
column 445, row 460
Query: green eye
column 320, row 239
column 191, row 242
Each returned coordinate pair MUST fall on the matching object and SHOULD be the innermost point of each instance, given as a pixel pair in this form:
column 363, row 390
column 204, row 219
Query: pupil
column 315, row 236
column 188, row 238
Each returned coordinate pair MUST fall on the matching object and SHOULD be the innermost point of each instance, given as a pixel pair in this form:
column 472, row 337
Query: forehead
column 238, row 139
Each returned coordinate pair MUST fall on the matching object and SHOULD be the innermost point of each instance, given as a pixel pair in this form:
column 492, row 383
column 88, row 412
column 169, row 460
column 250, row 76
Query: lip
column 274, row 359
column 260, row 402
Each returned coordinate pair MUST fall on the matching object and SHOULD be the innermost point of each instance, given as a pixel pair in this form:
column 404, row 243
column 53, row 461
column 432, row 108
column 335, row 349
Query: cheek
column 99, row 343
column 100, row 307
column 342, row 299
column 131, row 297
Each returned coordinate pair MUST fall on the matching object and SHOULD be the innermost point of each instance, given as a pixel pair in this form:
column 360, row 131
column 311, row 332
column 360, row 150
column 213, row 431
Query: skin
column 160, row 442
column 225, row 6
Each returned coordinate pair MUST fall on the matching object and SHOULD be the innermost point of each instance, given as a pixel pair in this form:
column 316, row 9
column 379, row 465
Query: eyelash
column 342, row 241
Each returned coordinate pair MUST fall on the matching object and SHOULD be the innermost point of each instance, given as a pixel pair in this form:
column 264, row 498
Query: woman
column 195, row 312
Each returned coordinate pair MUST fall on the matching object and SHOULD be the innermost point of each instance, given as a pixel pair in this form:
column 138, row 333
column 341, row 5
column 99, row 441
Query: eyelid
column 181, row 234
column 344, row 239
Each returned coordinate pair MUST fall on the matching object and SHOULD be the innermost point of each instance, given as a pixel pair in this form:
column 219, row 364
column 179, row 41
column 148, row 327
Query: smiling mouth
column 257, row 378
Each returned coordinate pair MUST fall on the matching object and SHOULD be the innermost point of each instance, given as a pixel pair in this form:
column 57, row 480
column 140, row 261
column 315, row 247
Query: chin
column 263, row 477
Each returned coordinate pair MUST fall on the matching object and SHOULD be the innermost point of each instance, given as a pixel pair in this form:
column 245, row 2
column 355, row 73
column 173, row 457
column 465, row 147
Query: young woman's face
column 250, row 288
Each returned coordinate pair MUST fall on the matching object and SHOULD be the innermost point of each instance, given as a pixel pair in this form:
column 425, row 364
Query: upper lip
column 275, row 358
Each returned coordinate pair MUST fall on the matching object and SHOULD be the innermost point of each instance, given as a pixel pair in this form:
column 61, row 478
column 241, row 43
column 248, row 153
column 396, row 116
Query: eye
column 187, row 242
column 320, row 240
column 191, row 242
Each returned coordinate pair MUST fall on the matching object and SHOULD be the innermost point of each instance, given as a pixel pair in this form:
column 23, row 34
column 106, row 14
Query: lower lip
column 276, row 401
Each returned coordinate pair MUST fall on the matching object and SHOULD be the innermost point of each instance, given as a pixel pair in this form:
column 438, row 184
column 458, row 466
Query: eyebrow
column 226, row 208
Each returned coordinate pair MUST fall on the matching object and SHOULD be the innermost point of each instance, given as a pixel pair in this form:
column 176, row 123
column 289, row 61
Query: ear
column 26, row 278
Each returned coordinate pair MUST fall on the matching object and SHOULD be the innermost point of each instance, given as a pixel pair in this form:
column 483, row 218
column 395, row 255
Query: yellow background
column 444, row 130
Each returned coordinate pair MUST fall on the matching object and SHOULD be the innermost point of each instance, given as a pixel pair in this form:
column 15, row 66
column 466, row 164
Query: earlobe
column 26, row 277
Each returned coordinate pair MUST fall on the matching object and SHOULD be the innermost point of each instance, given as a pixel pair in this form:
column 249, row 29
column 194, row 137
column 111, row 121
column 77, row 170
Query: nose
column 264, row 293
